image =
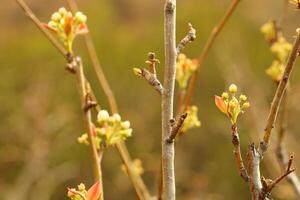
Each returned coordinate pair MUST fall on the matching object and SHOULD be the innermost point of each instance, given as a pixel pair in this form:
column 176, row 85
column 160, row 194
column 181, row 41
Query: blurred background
column 41, row 117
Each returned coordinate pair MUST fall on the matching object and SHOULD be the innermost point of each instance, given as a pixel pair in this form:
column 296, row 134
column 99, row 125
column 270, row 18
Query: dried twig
column 168, row 152
column 214, row 34
column 190, row 37
column 176, row 127
column 237, row 154
column 279, row 94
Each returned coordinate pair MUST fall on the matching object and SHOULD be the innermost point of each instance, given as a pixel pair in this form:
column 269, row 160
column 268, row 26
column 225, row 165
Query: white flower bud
column 102, row 116
column 55, row 17
column 80, row 17
column 117, row 117
column 233, row 88
column 125, row 125
column 62, row 11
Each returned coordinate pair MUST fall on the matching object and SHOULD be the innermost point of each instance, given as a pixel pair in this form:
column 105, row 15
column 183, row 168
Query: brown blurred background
column 41, row 117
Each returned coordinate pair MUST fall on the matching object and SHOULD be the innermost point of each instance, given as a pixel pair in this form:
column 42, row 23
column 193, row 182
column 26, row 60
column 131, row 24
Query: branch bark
column 168, row 152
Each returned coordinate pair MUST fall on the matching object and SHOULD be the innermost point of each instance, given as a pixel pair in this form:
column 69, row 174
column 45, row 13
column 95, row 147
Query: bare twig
column 268, row 185
column 214, row 34
column 168, row 152
column 279, row 94
column 176, row 127
column 191, row 36
column 237, row 154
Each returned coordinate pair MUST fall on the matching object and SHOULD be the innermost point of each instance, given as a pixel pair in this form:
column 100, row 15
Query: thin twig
column 268, row 185
column 214, row 34
column 48, row 35
column 237, row 154
column 168, row 151
column 279, row 94
column 84, row 94
column 190, row 37
column 281, row 152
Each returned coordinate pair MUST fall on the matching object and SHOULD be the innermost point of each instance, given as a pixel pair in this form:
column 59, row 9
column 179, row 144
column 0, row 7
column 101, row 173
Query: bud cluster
column 110, row 130
column 184, row 70
column 137, row 166
column 230, row 105
column 279, row 47
column 67, row 26
column 191, row 121
column 77, row 194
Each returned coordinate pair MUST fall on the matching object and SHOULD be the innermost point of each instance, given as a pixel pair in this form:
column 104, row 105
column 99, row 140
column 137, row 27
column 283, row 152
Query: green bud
column 80, row 17
column 102, row 116
column 243, row 97
column 225, row 95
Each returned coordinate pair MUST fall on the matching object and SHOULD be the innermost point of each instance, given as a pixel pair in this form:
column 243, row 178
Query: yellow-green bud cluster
column 232, row 106
column 77, row 194
column 67, row 26
column 184, row 70
column 279, row 47
column 110, row 130
column 191, row 120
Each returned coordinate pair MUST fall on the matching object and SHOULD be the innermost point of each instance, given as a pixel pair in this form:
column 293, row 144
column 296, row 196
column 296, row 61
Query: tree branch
column 214, row 34
column 168, row 152
column 237, row 154
column 279, row 94
column 176, row 127
column 84, row 96
column 190, row 37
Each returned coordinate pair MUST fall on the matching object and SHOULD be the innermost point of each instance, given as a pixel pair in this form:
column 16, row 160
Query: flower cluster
column 280, row 48
column 110, row 131
column 296, row 3
column 230, row 105
column 184, row 69
column 81, row 193
column 67, row 26
column 191, row 120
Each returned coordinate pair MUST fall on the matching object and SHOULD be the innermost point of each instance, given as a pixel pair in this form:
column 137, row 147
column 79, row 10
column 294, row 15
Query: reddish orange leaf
column 68, row 25
column 82, row 29
column 94, row 192
column 220, row 104
column 93, row 127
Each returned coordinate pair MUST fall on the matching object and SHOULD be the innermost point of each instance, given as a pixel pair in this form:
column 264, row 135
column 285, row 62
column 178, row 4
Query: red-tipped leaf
column 220, row 104
column 94, row 192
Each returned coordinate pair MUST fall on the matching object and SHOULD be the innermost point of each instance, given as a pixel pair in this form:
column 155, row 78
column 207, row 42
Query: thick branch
column 279, row 94
column 238, row 155
column 214, row 34
column 190, row 37
column 254, row 171
column 168, row 151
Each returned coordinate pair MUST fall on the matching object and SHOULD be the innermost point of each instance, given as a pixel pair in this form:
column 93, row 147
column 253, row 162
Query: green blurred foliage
column 41, row 117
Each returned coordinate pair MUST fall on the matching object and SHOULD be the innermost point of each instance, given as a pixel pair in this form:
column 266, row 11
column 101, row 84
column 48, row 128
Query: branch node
column 176, row 127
